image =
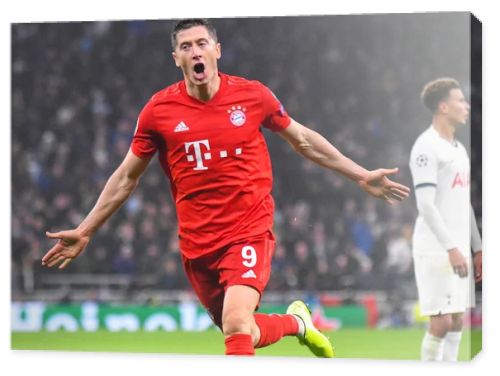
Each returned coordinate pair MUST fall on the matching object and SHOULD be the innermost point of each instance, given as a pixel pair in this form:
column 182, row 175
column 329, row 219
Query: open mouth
column 199, row 71
column 199, row 68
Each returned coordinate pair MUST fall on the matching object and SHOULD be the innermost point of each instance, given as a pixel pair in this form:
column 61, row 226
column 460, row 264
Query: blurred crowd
column 77, row 89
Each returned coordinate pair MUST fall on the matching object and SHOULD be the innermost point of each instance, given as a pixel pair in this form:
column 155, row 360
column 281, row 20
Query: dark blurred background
column 77, row 89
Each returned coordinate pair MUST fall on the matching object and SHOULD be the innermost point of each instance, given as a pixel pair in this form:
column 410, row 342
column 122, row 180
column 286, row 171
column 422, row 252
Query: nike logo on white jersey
column 249, row 274
column 181, row 127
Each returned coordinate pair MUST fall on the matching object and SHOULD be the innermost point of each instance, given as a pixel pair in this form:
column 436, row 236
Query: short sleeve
column 144, row 143
column 274, row 115
column 423, row 164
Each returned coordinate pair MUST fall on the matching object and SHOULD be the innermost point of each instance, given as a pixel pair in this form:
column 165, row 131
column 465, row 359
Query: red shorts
column 246, row 262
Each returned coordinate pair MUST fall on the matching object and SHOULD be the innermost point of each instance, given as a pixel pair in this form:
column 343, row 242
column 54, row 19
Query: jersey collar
column 453, row 142
column 216, row 97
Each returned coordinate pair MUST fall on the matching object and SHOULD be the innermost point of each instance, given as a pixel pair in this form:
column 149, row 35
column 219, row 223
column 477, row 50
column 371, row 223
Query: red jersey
column 216, row 159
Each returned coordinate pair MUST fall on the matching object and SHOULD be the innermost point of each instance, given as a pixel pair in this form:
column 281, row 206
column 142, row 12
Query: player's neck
column 206, row 91
column 444, row 128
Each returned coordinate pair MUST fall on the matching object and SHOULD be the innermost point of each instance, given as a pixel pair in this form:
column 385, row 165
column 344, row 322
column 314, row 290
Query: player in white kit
column 445, row 230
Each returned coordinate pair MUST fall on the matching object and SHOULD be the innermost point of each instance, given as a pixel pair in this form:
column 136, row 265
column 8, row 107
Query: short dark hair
column 437, row 91
column 188, row 24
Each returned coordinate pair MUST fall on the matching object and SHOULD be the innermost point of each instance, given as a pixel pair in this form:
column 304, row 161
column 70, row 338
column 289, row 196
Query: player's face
column 456, row 107
column 195, row 46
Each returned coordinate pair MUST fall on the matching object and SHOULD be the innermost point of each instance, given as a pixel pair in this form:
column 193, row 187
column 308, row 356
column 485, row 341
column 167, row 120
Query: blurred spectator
column 123, row 262
column 398, row 269
column 173, row 276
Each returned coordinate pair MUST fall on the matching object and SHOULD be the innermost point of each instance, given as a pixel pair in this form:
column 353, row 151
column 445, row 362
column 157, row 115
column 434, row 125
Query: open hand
column 378, row 185
column 71, row 243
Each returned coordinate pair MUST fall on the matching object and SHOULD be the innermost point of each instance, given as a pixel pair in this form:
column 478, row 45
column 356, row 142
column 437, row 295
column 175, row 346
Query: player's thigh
column 434, row 277
column 248, row 263
column 204, row 278
column 440, row 290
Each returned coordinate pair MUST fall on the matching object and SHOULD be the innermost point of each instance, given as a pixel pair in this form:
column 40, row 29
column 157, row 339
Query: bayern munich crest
column 237, row 115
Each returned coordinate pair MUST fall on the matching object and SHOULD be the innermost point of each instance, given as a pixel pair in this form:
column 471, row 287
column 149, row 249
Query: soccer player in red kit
column 206, row 130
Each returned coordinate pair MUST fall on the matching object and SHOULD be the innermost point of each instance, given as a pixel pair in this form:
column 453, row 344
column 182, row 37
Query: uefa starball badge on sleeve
column 359, row 226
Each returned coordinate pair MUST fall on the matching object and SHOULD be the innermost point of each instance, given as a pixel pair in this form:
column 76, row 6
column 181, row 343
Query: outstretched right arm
column 117, row 190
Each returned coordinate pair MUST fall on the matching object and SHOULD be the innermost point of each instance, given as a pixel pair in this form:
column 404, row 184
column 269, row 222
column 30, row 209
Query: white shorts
column 440, row 290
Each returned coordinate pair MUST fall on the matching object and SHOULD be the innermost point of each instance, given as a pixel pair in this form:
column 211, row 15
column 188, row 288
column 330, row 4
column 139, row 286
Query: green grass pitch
column 349, row 343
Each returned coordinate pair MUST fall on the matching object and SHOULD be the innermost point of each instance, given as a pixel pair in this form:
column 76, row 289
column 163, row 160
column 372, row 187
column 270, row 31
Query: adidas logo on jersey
column 249, row 274
column 181, row 127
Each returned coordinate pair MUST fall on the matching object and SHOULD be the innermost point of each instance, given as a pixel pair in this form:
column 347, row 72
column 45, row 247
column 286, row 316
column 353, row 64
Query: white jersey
column 436, row 162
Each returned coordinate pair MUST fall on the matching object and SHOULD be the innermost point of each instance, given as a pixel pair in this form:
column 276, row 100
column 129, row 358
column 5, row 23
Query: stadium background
column 77, row 89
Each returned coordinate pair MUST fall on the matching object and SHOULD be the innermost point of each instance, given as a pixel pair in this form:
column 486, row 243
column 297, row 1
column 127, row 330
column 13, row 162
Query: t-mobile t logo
column 205, row 154
column 198, row 154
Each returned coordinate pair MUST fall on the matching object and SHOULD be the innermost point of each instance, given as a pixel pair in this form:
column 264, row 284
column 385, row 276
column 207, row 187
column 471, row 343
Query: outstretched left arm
column 315, row 147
